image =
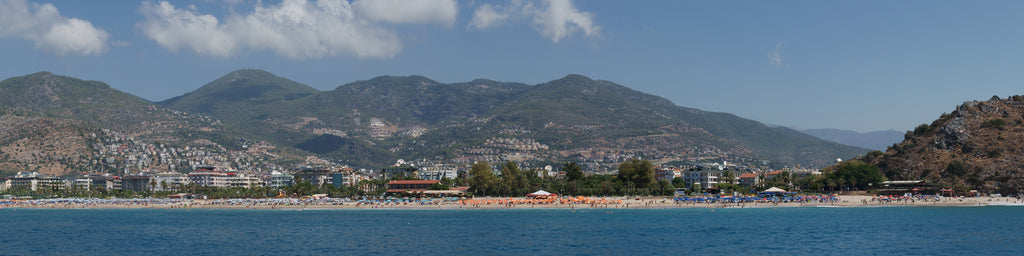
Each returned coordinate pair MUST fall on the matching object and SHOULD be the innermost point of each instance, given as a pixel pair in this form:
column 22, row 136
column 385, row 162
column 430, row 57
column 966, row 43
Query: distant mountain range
column 373, row 122
column 877, row 140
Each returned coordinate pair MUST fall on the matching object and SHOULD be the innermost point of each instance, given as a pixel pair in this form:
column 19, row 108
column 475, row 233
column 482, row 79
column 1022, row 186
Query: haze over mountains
column 373, row 122
column 876, row 140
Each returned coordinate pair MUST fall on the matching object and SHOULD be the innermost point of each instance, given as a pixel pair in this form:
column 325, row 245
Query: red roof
column 405, row 190
column 413, row 182
column 748, row 175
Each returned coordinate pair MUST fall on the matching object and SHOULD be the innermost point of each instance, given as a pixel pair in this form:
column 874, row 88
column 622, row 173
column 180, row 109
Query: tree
column 666, row 188
column 729, row 177
column 679, row 182
column 481, row 178
column 639, row 173
column 857, row 174
column 513, row 182
column 572, row 171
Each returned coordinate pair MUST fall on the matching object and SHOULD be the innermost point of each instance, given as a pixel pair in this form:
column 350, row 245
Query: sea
column 989, row 230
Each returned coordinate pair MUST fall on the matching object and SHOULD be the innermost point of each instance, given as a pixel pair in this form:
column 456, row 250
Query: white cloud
column 485, row 16
column 559, row 18
column 296, row 29
column 440, row 12
column 43, row 25
column 775, row 57
column 554, row 19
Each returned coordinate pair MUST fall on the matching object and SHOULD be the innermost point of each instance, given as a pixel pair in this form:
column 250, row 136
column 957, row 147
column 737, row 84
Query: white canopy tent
column 539, row 193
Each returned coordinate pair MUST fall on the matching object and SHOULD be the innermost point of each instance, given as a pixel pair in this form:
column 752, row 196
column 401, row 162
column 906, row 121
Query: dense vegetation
column 636, row 177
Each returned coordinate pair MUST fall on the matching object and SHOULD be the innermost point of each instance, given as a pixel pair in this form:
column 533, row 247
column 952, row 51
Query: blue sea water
column 764, row 231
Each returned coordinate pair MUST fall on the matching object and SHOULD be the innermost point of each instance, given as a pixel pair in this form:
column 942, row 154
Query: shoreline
column 845, row 201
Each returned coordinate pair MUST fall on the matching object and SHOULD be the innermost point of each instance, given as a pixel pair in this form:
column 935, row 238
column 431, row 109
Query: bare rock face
column 953, row 134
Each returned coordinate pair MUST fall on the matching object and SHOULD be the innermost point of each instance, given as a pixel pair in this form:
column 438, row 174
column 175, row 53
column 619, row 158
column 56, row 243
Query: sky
column 855, row 65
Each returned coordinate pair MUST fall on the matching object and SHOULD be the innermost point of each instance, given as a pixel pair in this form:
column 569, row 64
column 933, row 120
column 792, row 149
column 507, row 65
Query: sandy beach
column 489, row 203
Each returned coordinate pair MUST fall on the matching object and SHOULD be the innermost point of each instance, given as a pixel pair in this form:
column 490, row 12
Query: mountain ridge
column 371, row 122
column 417, row 105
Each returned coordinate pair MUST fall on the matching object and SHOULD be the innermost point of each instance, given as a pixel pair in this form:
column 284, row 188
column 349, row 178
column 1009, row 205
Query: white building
column 168, row 181
column 437, row 172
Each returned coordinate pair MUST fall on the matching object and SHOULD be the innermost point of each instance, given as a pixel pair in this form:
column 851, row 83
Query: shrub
column 995, row 153
column 922, row 129
column 994, row 123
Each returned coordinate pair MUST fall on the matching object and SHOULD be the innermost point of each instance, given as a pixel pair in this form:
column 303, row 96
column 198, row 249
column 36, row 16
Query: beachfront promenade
column 509, row 203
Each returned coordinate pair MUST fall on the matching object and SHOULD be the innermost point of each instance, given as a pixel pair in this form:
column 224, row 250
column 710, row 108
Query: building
column 338, row 179
column 168, row 181
column 278, row 179
column 750, row 179
column 800, row 174
column 667, row 174
column 243, row 181
column 402, row 170
column 35, row 182
column 137, row 183
column 410, row 186
column 705, row 177
column 5, row 183
column 771, row 175
column 318, row 177
column 437, row 172
column 79, row 184
column 207, row 176
column 104, row 181
column 350, row 177
column 919, row 187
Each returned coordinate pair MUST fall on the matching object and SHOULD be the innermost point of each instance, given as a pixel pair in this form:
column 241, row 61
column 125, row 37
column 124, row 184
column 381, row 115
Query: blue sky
column 858, row 65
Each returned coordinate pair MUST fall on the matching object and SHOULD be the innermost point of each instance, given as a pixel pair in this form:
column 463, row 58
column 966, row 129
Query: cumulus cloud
column 440, row 12
column 486, row 16
column 554, row 19
column 775, row 57
column 43, row 25
column 297, row 29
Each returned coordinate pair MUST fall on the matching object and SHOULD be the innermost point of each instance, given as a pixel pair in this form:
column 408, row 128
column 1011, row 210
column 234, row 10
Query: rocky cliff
column 977, row 146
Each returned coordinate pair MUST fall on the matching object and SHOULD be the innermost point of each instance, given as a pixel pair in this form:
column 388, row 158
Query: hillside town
column 401, row 178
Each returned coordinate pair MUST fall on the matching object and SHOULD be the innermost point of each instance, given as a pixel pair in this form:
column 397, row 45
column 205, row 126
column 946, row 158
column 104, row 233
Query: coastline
column 845, row 201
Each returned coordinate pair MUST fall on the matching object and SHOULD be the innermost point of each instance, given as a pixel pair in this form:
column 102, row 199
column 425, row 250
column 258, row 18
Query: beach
column 496, row 203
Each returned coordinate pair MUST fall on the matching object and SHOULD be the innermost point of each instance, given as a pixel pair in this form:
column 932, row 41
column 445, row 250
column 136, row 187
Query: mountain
column 62, row 125
column 254, row 120
column 977, row 146
column 45, row 145
column 239, row 93
column 877, row 140
column 371, row 122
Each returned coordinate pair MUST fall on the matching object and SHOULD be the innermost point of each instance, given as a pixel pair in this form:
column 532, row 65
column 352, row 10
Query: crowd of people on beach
column 756, row 200
column 513, row 202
